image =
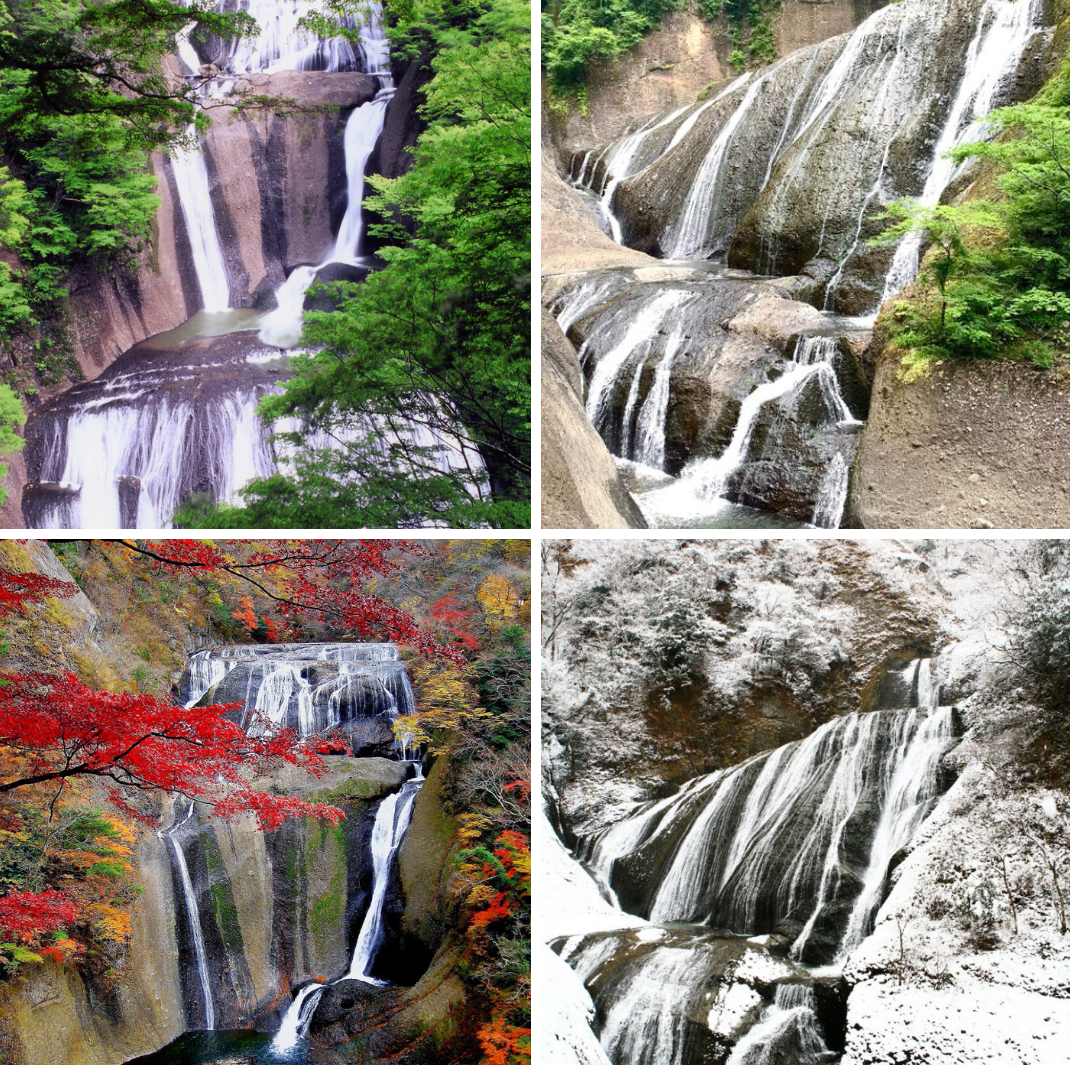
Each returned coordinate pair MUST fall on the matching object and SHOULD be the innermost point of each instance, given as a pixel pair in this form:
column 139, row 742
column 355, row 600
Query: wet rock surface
column 581, row 486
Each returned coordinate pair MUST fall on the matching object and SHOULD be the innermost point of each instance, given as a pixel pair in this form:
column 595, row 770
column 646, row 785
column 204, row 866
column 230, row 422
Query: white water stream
column 1004, row 31
column 391, row 823
column 193, row 919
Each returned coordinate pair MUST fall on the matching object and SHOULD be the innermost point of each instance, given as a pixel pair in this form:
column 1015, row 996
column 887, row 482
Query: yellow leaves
column 122, row 831
column 472, row 827
column 501, row 599
column 109, row 923
column 408, row 730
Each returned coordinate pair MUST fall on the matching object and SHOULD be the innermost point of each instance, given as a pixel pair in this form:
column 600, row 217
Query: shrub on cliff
column 999, row 268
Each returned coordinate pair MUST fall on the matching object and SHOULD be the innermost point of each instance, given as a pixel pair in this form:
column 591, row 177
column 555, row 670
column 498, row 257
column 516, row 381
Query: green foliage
column 84, row 99
column 101, row 60
column 440, row 337
column 11, row 414
column 998, row 270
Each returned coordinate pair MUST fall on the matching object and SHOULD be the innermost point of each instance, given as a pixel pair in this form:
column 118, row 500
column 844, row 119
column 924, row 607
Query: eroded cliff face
column 276, row 909
column 684, row 657
column 683, row 57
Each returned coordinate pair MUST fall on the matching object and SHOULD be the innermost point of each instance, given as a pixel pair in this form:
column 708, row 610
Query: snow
column 565, row 900
column 758, row 967
column 730, row 1009
column 971, row 1022
column 564, row 1034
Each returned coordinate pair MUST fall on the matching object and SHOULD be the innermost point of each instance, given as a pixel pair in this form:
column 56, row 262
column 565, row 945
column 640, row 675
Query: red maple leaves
column 19, row 588
column 313, row 580
column 25, row 916
column 64, row 730
column 454, row 618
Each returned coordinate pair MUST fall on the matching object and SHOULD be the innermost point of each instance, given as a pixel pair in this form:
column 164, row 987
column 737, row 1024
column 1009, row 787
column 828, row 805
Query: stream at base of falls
column 235, row 1048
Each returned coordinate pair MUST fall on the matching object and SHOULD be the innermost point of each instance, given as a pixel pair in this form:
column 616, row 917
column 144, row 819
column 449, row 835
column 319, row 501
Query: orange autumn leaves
column 497, row 941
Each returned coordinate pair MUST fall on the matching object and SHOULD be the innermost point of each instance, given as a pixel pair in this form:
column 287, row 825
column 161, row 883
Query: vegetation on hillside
column 996, row 281
column 576, row 33
column 459, row 609
column 84, row 99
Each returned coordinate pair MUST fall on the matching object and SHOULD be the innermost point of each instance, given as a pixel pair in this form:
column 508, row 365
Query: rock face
column 278, row 182
column 581, row 488
column 682, row 57
column 672, row 352
column 681, row 662
column 969, row 445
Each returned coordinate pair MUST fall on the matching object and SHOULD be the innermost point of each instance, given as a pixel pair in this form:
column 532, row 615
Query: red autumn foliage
column 245, row 613
column 498, row 909
column 19, row 588
column 504, row 1044
column 25, row 916
column 452, row 616
column 313, row 580
column 64, row 730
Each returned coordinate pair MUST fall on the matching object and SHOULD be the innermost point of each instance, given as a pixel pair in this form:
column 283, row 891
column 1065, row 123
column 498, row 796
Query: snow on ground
column 970, row 1022
column 945, row 978
column 565, row 1034
column 566, row 900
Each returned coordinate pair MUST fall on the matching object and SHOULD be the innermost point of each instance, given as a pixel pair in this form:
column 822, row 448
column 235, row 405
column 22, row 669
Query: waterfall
column 749, row 847
column 641, row 333
column 832, row 495
column 687, row 236
column 191, row 181
column 645, row 1023
column 193, row 919
column 391, row 823
column 206, row 671
column 127, row 463
column 307, row 687
column 1003, row 32
column 788, row 1031
column 708, row 478
column 619, row 161
column 282, row 327
column 282, row 45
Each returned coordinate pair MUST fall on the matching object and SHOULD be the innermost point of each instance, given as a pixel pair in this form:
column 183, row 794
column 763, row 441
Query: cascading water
column 282, row 327
column 191, row 181
column 814, row 361
column 391, row 824
column 312, row 688
column 794, row 844
column 786, row 172
column 193, row 918
column 176, row 416
column 766, row 843
column 788, row 1030
column 1003, row 33
column 307, row 687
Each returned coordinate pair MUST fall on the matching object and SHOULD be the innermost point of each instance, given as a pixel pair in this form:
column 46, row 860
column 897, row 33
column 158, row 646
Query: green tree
column 945, row 230
column 1000, row 266
column 102, row 59
column 11, row 414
